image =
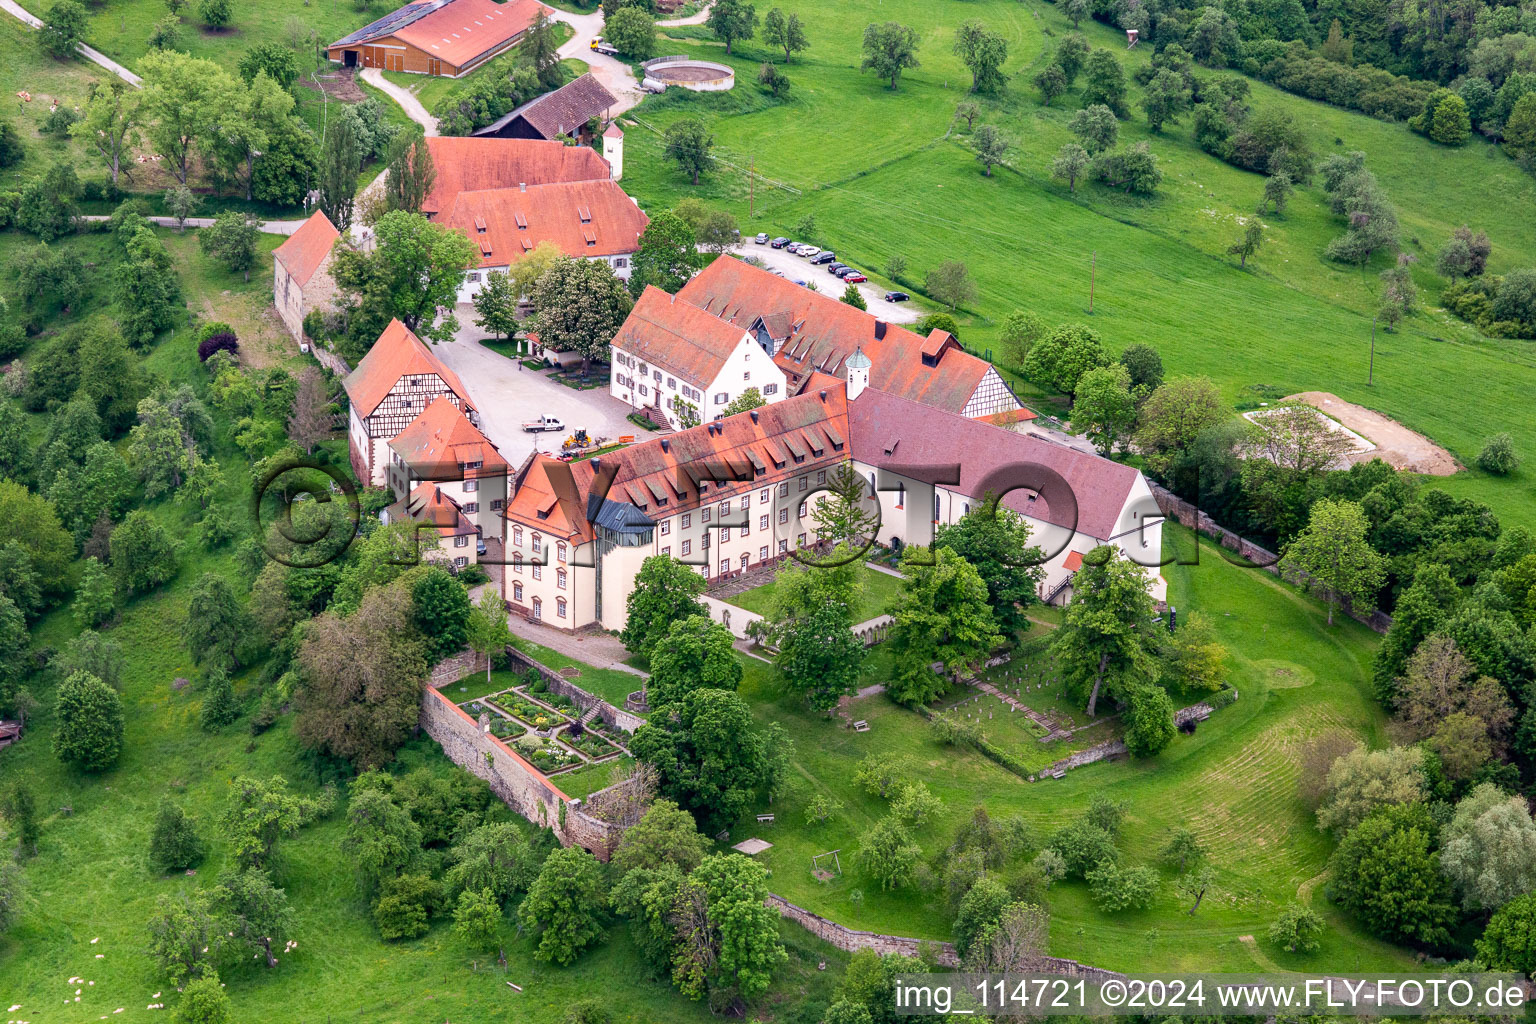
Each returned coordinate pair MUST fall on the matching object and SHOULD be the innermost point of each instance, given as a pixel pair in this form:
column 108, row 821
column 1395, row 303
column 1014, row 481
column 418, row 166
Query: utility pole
column 751, row 186
column 1370, row 377
column 1093, row 275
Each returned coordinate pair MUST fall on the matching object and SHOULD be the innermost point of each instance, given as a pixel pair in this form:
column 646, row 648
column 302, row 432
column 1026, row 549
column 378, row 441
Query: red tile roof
column 454, row 31
column 397, row 353
column 582, row 218
column 1019, row 415
column 428, row 504
column 472, row 165
column 889, row 432
column 441, row 440
column 818, row 332
column 562, row 112
column 547, row 500
column 303, row 251
column 678, row 337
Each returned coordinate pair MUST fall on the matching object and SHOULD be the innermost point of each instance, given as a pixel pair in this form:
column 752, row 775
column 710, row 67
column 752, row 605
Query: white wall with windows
column 640, row 384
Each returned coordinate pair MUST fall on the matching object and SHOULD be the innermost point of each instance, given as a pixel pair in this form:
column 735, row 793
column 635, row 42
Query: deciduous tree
column 694, row 653
column 689, row 143
column 1103, row 644
column 1386, row 872
column 784, row 32
column 1332, row 556
column 1103, row 409
column 665, row 591
column 941, row 616
column 889, row 49
column 578, row 306
column 565, row 905
column 983, row 52
column 950, row 283
column 411, row 173
column 995, row 541
column 90, row 730
column 731, row 20
column 1071, row 163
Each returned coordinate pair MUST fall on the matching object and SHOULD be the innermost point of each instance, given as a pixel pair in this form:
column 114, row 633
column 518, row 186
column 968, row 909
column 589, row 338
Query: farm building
column 438, row 37
column 569, row 110
column 301, row 275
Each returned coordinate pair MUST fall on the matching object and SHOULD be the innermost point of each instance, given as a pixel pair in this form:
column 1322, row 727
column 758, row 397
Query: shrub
column 174, row 844
column 1297, row 929
column 222, row 342
column 937, row 322
column 1498, row 455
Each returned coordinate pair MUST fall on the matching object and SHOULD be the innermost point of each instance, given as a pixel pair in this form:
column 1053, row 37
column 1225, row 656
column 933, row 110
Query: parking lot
column 797, row 269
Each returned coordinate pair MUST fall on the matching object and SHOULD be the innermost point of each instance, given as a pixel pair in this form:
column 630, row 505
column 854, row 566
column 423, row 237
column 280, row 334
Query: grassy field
column 1232, row 782
column 887, row 174
column 613, row 685
column 27, row 69
column 876, row 591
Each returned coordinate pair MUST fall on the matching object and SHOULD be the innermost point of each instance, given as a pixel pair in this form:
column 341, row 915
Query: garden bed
column 529, row 712
column 591, row 743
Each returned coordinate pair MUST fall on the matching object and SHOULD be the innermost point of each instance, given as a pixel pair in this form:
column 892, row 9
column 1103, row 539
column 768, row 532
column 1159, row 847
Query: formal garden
column 546, row 728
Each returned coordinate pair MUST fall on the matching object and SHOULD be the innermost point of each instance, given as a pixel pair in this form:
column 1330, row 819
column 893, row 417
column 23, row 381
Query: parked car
column 480, row 546
column 896, row 296
column 854, row 277
column 845, row 271
column 834, row 267
column 543, row 423
column 795, row 247
column 809, row 251
column 762, row 238
column 824, row 257
column 779, row 243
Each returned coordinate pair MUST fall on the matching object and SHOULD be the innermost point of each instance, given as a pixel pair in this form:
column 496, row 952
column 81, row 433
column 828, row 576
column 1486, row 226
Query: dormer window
column 522, row 221
column 480, row 225
column 585, row 213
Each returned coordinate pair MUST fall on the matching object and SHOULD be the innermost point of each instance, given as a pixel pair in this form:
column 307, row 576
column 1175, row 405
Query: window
column 704, row 515
column 721, row 397
column 560, row 578
column 746, row 529
column 935, row 506
column 460, row 562
column 644, row 390
column 560, row 607
column 667, row 550
column 471, row 485
column 538, row 608
column 725, row 565
column 537, row 544
column 784, row 489
column 497, row 504
column 821, row 476
column 538, row 571
column 901, row 495
column 805, row 482
column 687, row 520
column 762, row 553
column 687, row 547
column 666, row 527
column 725, row 509
column 783, row 516
column 762, row 522
column 621, row 263
column 560, row 551
column 746, row 559
column 672, row 383
column 645, row 371
column 471, row 507
column 461, row 541
column 517, row 592
column 517, row 562
column 746, row 502
column 783, row 546
column 475, row 278
column 770, row 389
column 801, row 513
column 762, row 496
column 747, row 375
column 800, row 541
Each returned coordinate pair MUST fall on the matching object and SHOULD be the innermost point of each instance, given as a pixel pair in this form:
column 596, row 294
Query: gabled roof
column 396, row 354
column 441, row 440
column 302, row 253
column 678, row 337
column 428, row 504
column 472, row 165
column 895, row 433
column 581, row 218
column 560, row 112
column 823, row 332
column 455, row 31
column 548, row 500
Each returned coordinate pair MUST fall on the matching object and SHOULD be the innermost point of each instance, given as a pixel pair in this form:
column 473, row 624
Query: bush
column 1297, row 929
column 937, row 322
column 90, row 730
column 405, row 906
column 1498, row 455
column 221, row 342
column 174, row 844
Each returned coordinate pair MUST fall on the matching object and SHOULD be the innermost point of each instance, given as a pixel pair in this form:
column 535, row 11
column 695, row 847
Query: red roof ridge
column 303, row 252
column 397, row 352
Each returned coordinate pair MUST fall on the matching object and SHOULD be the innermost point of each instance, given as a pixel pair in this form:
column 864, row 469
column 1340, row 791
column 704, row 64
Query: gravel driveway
column 508, row 396
column 797, row 269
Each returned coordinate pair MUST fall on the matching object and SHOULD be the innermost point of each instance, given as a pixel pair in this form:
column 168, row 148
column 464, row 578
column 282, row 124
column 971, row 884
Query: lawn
column 1232, row 782
column 27, row 69
column 887, row 174
column 613, row 685
column 876, row 592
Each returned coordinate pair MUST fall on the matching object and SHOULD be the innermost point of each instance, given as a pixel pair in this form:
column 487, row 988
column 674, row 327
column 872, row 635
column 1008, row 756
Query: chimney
column 879, row 329
column 823, row 395
column 597, row 464
column 754, row 415
column 666, row 445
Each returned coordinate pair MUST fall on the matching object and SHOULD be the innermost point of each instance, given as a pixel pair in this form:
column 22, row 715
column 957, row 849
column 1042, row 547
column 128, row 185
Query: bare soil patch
column 1396, row 445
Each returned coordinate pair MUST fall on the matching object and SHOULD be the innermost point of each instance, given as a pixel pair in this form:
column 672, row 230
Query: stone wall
column 616, row 717
column 452, row 669
column 851, row 940
column 1186, row 514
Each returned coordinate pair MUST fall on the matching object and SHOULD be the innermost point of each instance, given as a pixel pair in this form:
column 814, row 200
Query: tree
column 497, row 304
column 717, row 231
column 665, row 834
column 889, row 49
column 540, row 52
column 1361, row 782
column 143, row 554
column 1104, row 82
column 1398, row 292
column 180, row 202
column 219, row 706
column 776, row 81
column 110, row 122
column 1071, row 54
column 1064, row 356
column 840, row 516
column 275, row 60
column 728, row 936
column 995, row 541
column 440, row 612
column 413, row 273
column 665, row 591
column 1333, row 556
column 12, row 895
column 93, row 602
column 1498, row 455
column 1150, row 727
column 967, row 111
column 382, row 842
column 90, row 732
column 950, row 283
column 632, row 31
column 312, row 419
column 1195, row 659
column 820, row 657
column 991, row 148
column 784, row 32
column 578, row 306
column 362, row 677
column 216, row 14
column 405, row 907
column 1052, row 82
column 63, row 29
column 477, row 918
column 1103, row 409
column 1508, row 942
column 1520, row 129
column 983, row 52
column 1183, row 850
column 486, row 631
column 410, row 174
column 1133, row 167
column 1174, row 416
column 1451, row 124
column 203, row 1002
column 689, row 142
column 174, row 844
column 710, row 757
column 1297, row 929
column 19, row 808
column 731, row 20
column 341, row 157
column 1386, row 872
column 183, row 98
column 694, row 653
column 1103, row 643
column 1115, row 888
column 888, row 854
column 148, row 291
column 1166, row 98
column 1071, row 163
column 941, row 616
column 216, row 624
column 1077, row 10
column 494, row 858
column 980, row 910
column 31, row 522
column 564, row 905
column 1096, row 127
column 260, row 814
column 1440, row 682
column 668, row 255
column 254, row 912
column 1489, row 848
column 1277, row 192
column 882, row 775
column 1253, row 237
column 184, row 937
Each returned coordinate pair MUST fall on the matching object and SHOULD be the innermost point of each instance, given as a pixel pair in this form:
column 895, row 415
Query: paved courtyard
column 508, row 395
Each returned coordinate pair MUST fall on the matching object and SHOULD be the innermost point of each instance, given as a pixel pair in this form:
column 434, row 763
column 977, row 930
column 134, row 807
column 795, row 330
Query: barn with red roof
column 301, row 276
column 448, row 38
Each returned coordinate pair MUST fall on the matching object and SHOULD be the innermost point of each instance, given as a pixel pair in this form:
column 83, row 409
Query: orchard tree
column 1298, row 929
column 1183, row 850
column 888, row 854
column 183, row 98
column 110, row 122
column 940, row 617
column 689, row 143
column 231, row 239
column 731, row 20
column 995, row 541
column 248, row 905
column 63, row 29
column 1104, row 644
column 1333, row 556
column 1052, row 82
column 950, row 283
column 494, row 858
column 1166, row 99
column 565, row 904
column 1253, row 237
column 90, row 731
column 889, row 49
column 381, row 841
column 1071, row 55
column 1071, row 163
column 1104, row 82
column 477, row 918
column 982, row 52
column 784, row 32
column 1277, row 192
column 991, row 147
column 578, row 306
column 665, row 591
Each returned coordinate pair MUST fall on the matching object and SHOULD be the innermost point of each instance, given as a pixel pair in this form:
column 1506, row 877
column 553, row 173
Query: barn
column 438, row 37
column 567, row 111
